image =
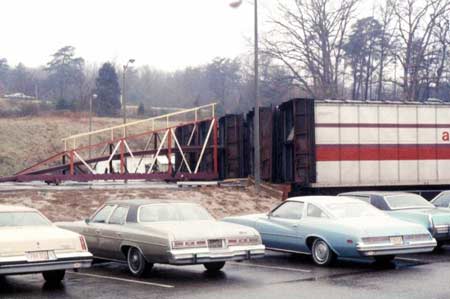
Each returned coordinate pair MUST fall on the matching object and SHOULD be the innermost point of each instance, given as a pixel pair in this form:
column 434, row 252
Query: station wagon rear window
column 22, row 219
column 407, row 201
column 172, row 212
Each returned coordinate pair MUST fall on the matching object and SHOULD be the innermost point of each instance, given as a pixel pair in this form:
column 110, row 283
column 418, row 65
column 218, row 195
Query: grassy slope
column 27, row 140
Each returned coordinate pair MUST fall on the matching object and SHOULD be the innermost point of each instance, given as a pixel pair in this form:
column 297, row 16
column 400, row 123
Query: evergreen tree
column 108, row 91
column 141, row 109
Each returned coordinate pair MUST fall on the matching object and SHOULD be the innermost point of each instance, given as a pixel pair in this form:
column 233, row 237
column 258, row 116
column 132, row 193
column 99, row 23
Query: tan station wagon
column 144, row 232
column 30, row 243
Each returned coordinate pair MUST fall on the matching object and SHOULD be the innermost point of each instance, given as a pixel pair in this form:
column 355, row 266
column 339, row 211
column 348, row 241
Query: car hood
column 18, row 240
column 382, row 226
column 438, row 215
column 205, row 229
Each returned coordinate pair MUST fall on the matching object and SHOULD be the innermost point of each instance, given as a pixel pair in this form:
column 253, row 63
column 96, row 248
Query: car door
column 95, row 227
column 279, row 229
column 113, row 233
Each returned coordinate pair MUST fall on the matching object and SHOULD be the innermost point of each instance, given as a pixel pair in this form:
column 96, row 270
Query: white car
column 30, row 243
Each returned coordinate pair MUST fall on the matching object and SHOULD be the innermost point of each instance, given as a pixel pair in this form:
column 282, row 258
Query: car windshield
column 407, row 201
column 173, row 212
column 22, row 219
column 353, row 210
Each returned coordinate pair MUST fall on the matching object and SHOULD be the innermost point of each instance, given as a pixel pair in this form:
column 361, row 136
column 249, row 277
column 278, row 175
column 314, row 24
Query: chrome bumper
column 63, row 261
column 385, row 249
column 206, row 255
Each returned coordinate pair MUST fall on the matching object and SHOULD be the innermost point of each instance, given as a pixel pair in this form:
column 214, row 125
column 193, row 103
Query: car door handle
column 97, row 231
column 294, row 225
column 119, row 235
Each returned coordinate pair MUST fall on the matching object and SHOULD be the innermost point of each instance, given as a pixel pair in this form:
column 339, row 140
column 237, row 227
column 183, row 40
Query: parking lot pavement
column 413, row 276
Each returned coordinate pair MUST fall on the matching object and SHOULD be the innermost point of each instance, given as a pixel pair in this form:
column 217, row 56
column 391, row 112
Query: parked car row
column 142, row 233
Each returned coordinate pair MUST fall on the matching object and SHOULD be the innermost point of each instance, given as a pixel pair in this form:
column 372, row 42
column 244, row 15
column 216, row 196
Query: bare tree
column 309, row 39
column 416, row 23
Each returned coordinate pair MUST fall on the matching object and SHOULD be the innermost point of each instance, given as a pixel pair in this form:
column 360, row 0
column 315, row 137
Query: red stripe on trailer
column 381, row 125
column 374, row 152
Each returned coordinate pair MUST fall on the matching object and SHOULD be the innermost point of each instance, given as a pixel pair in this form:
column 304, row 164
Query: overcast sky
column 166, row 34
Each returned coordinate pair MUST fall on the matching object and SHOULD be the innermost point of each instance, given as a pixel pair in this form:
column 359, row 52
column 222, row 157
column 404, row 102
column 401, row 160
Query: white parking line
column 125, row 280
column 271, row 267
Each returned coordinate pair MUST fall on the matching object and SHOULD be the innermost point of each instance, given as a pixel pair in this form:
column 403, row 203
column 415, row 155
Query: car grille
column 216, row 243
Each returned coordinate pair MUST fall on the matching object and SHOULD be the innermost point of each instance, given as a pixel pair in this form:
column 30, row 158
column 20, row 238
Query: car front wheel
column 214, row 267
column 137, row 264
column 54, row 277
column 322, row 253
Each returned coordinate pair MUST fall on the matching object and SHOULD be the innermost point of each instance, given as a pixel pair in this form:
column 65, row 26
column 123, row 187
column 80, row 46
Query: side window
column 103, row 214
column 442, row 201
column 314, row 211
column 289, row 210
column 119, row 216
column 379, row 202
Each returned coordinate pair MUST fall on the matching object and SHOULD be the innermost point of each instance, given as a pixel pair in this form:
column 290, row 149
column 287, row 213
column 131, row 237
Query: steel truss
column 126, row 149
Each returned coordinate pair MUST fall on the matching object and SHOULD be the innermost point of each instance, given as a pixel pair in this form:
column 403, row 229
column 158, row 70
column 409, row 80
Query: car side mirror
column 87, row 220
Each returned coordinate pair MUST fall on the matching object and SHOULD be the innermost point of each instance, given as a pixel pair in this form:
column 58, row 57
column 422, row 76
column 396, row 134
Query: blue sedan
column 327, row 227
column 412, row 208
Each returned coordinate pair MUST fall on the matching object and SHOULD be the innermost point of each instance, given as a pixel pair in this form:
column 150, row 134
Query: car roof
column 321, row 199
column 380, row 193
column 141, row 202
column 12, row 208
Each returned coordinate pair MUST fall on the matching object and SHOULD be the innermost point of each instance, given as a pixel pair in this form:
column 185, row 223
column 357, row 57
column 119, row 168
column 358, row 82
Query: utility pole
column 256, row 120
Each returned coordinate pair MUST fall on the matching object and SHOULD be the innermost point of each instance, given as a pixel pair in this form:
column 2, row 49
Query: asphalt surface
column 275, row 276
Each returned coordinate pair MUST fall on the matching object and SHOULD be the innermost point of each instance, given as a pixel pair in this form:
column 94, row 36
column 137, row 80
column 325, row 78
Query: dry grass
column 79, row 204
column 28, row 140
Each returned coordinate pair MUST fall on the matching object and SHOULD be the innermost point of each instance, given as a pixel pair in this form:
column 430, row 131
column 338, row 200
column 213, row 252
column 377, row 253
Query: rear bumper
column 205, row 255
column 64, row 261
column 416, row 247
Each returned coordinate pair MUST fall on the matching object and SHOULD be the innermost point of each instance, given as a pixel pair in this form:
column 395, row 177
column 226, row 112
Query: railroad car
column 342, row 145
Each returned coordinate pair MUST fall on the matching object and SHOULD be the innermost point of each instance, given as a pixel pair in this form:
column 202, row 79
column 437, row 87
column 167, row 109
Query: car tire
column 384, row 259
column 214, row 267
column 321, row 253
column 54, row 277
column 137, row 264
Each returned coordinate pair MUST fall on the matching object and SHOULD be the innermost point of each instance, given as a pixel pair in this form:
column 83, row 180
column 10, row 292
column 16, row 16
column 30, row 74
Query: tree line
column 315, row 48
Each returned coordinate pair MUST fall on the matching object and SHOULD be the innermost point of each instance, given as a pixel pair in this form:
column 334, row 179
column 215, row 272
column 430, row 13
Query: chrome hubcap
column 321, row 251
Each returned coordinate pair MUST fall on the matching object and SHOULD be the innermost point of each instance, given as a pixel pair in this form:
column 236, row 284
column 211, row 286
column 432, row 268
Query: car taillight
column 254, row 240
column 189, row 244
column 376, row 240
column 83, row 243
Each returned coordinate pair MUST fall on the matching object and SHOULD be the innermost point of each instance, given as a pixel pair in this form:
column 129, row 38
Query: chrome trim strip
column 288, row 251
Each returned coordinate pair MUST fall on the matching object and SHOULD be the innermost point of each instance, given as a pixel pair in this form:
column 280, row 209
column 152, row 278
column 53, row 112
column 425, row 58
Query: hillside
column 27, row 140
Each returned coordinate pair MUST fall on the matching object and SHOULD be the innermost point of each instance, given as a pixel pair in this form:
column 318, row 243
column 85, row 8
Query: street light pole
column 256, row 137
column 256, row 92
column 124, row 102
column 93, row 97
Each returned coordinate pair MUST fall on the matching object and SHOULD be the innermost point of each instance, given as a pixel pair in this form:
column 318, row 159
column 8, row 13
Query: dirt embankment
column 71, row 205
